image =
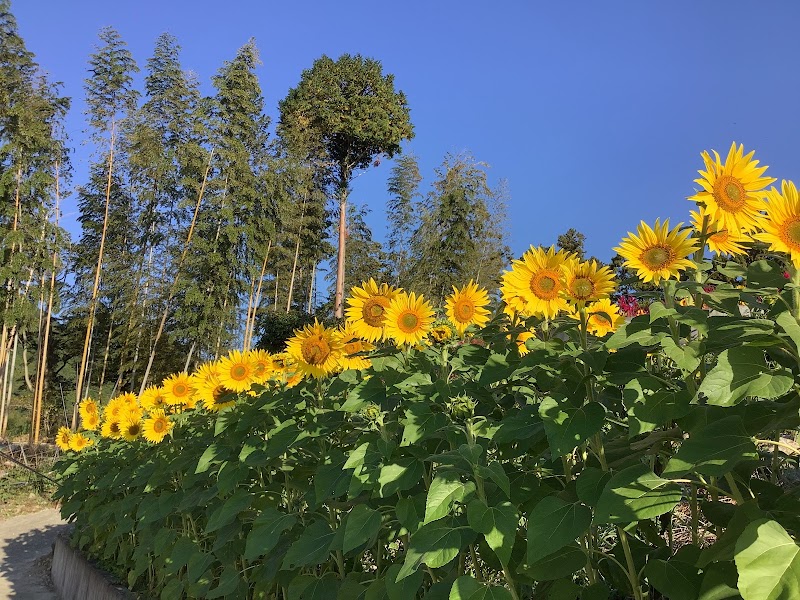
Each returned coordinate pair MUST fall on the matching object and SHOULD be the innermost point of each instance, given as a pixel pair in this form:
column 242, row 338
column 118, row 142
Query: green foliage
column 562, row 477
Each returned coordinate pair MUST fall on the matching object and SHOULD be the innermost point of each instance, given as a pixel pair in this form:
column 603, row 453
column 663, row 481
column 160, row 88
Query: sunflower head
column 156, row 426
column 263, row 365
column 720, row 241
column 535, row 283
column 441, row 332
column 587, row 281
column 408, row 319
column 153, row 398
column 367, row 307
column 732, row 191
column 602, row 317
column 657, row 253
column 467, row 306
column 177, row 389
column 78, row 442
column 237, row 371
column 315, row 350
column 131, row 427
column 520, row 339
column 63, row 438
column 111, row 428
column 216, row 396
column 90, row 421
column 352, row 345
column 781, row 228
column 203, row 373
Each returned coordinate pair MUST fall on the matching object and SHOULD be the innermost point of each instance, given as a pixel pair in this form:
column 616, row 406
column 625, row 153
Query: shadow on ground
column 24, row 558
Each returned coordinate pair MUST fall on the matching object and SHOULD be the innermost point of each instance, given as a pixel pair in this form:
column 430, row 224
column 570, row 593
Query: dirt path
column 25, row 543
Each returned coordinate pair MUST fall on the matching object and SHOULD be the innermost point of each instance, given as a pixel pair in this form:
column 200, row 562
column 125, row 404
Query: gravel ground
column 26, row 544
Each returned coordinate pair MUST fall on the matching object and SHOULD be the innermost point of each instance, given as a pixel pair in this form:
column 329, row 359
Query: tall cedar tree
column 104, row 202
column 402, row 214
column 461, row 235
column 342, row 115
column 236, row 222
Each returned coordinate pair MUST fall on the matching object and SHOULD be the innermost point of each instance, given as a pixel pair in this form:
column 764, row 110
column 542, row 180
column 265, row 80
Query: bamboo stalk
column 311, row 286
column 257, row 300
column 11, row 365
column 296, row 254
column 338, row 308
column 96, row 286
column 42, row 366
column 174, row 286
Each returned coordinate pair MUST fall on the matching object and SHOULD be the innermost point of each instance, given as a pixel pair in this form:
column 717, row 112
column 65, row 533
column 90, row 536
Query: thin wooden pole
column 174, row 286
column 96, row 287
column 296, row 254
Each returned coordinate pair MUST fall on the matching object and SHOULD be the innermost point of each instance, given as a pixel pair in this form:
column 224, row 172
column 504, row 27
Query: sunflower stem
column 794, row 273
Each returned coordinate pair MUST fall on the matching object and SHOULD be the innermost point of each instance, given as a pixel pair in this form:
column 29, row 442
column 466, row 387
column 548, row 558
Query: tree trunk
column 96, row 287
column 38, row 399
column 296, row 254
column 338, row 310
column 11, row 366
column 174, row 287
column 189, row 358
column 256, row 301
column 25, row 369
column 311, row 286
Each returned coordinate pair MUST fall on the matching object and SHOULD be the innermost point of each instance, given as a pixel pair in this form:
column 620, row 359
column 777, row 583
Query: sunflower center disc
column 315, row 351
column 729, row 194
column 793, row 234
column 180, row 390
column 239, row 372
column 545, row 285
column 656, row 257
column 217, row 393
column 582, row 288
column 409, row 322
column 352, row 347
column 464, row 311
column 158, row 426
column 373, row 312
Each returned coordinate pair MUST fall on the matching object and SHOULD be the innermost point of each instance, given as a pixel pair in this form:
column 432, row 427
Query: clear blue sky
column 595, row 112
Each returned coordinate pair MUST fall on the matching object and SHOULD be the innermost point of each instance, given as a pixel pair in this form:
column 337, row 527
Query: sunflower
column 657, row 253
column 408, row 319
column 467, row 306
column 90, row 421
column 263, row 365
column 782, row 225
column 215, row 396
column 178, row 389
column 730, row 191
column 598, row 314
column 352, row 344
column 78, row 442
column 131, row 427
column 156, row 426
column 90, row 414
column 522, row 337
column 720, row 241
column 115, row 407
column 203, row 373
column 87, row 407
column 111, row 429
column 441, row 333
column 63, row 437
column 535, row 283
column 153, row 398
column 587, row 281
column 315, row 350
column 237, row 371
column 367, row 307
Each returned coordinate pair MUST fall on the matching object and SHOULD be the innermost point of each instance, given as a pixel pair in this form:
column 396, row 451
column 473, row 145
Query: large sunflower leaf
column 768, row 562
column 713, row 450
column 467, row 587
column 636, row 493
column 498, row 524
column 567, row 427
column 445, row 489
column 740, row 372
column 554, row 523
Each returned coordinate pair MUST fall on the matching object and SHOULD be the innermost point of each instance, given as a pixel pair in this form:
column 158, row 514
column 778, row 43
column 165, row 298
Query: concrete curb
column 75, row 578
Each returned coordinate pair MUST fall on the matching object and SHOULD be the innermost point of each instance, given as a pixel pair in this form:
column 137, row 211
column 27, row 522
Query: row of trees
column 199, row 220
